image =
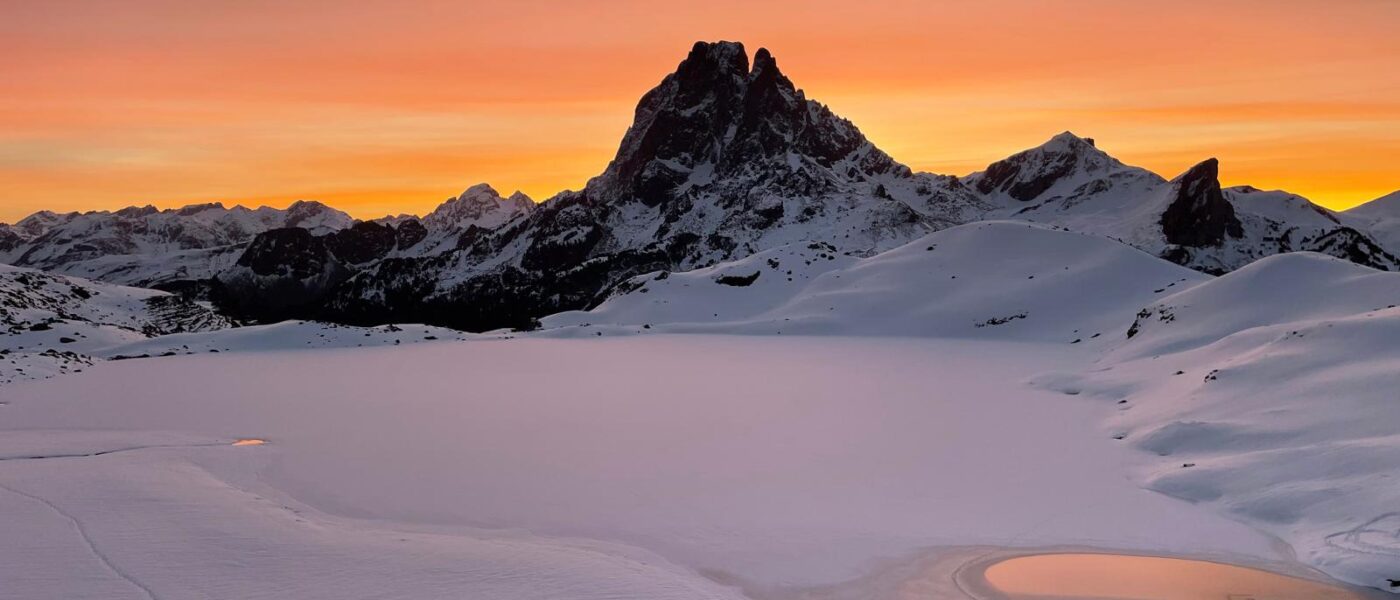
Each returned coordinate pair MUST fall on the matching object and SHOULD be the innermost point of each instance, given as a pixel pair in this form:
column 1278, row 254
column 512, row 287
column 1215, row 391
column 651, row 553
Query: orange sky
column 387, row 106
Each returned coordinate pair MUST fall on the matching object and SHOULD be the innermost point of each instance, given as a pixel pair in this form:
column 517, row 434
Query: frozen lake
column 698, row 466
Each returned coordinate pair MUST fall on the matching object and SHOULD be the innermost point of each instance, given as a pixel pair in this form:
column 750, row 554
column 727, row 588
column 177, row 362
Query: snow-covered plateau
column 797, row 423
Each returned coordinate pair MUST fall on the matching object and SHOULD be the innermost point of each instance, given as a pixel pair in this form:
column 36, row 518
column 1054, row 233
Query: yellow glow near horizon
column 384, row 107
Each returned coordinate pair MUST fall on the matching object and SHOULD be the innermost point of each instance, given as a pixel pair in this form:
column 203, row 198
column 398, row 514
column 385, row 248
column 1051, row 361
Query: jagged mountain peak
column 708, row 61
column 716, row 117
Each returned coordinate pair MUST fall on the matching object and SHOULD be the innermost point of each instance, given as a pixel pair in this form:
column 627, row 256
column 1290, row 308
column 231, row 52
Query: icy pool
column 1103, row 576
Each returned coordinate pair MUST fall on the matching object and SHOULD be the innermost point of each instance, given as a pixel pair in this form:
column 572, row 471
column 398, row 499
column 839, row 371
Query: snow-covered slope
column 995, row 279
column 1300, row 286
column 1382, row 218
column 729, row 291
column 145, row 246
column 50, row 323
column 1270, row 395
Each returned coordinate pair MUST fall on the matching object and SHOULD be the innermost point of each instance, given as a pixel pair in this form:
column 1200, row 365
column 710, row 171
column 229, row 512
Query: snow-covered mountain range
column 148, row 247
column 726, row 158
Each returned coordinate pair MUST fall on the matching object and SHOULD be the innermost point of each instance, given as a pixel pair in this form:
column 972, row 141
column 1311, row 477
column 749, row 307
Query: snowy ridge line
column 87, row 541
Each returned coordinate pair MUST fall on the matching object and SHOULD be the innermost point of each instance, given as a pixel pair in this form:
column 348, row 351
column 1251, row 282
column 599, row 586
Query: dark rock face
column 290, row 251
column 282, row 274
column 667, row 126
column 409, row 233
column 287, row 273
column 1003, row 174
column 717, row 113
column 9, row 240
column 363, row 242
column 1200, row 215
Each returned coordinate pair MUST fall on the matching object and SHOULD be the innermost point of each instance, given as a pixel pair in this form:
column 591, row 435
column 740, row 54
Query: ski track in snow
column 106, row 452
column 87, row 539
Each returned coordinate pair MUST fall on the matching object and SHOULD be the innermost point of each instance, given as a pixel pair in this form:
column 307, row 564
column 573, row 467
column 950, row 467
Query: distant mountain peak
column 480, row 205
column 1029, row 174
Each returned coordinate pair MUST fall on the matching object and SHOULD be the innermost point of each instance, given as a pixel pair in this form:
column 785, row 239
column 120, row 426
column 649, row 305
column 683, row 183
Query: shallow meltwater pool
column 1123, row 577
